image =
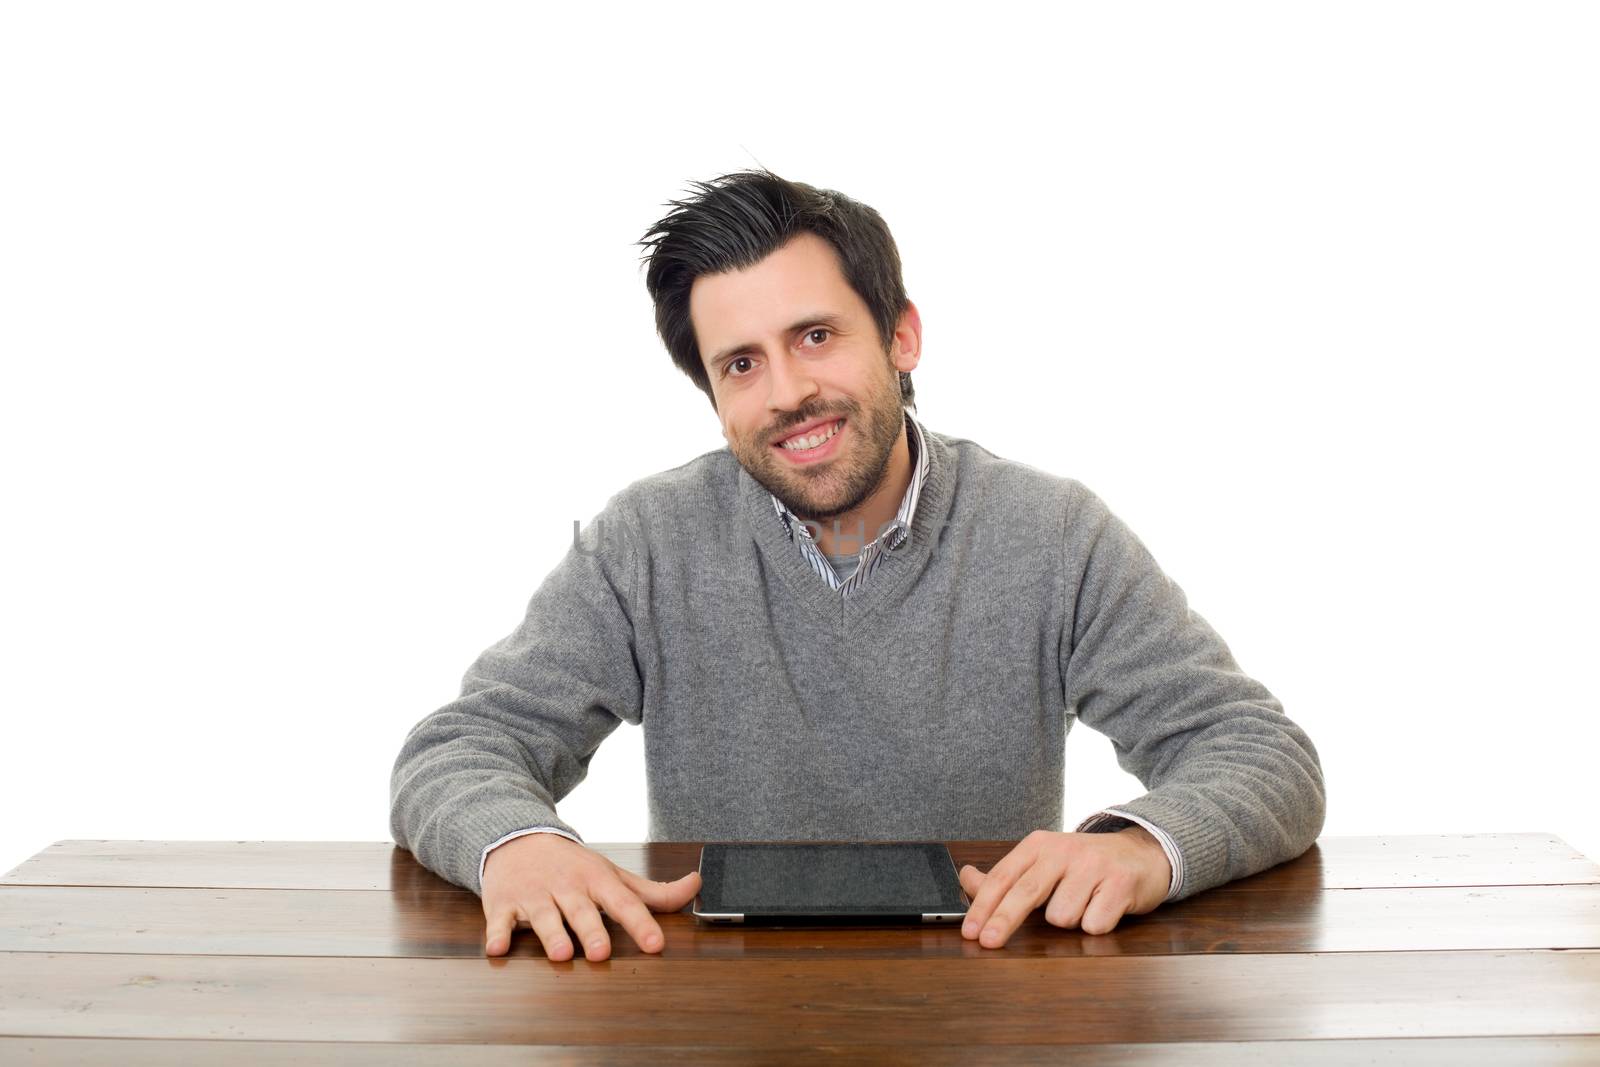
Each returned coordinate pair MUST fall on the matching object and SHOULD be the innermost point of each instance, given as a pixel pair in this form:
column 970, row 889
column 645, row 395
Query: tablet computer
column 811, row 882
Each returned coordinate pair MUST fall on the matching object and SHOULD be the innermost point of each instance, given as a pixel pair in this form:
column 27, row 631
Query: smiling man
column 846, row 626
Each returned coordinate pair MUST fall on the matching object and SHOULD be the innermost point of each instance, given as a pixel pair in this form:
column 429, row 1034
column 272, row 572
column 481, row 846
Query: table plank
column 801, row 1003
column 450, row 924
column 1333, row 863
column 1412, row 1052
column 348, row 865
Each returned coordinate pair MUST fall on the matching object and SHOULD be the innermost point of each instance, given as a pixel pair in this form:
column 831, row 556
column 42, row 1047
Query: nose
column 789, row 383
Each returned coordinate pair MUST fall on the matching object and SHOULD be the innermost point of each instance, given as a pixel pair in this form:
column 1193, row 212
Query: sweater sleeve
column 1234, row 782
column 533, row 709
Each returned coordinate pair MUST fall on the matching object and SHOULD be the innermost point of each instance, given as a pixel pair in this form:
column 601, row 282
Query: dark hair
column 737, row 220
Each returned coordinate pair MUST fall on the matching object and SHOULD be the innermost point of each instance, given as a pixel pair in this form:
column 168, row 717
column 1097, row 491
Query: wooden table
column 1478, row 948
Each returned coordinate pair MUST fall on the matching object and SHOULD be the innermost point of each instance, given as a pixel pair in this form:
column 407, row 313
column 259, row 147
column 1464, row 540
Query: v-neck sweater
column 933, row 704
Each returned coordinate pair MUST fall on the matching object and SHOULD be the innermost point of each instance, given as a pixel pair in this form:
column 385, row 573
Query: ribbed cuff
column 1198, row 831
column 474, row 825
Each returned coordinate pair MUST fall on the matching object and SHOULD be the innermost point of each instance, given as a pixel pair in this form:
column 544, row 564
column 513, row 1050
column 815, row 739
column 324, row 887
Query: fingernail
column 969, row 928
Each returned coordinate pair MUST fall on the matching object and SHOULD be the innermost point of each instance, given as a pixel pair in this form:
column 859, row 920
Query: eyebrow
column 832, row 322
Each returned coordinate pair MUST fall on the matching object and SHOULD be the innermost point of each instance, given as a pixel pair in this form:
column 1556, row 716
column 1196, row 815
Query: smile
column 801, row 444
column 812, row 447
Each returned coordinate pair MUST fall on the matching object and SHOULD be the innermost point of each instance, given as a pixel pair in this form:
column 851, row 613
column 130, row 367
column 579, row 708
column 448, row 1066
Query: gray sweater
column 932, row 705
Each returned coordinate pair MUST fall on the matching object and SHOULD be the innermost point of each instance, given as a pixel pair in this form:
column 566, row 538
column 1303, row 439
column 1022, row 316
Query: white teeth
column 800, row 443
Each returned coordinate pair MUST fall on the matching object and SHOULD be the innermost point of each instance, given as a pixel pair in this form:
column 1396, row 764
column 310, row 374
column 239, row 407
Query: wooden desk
column 1479, row 948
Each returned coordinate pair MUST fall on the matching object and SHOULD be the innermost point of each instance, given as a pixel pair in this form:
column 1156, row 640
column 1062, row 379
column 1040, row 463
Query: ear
column 905, row 350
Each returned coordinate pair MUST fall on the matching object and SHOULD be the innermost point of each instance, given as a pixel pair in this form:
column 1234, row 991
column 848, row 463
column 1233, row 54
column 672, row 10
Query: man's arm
column 533, row 709
column 1232, row 780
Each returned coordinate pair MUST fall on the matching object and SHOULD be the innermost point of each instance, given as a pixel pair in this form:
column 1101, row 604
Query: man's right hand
column 542, row 877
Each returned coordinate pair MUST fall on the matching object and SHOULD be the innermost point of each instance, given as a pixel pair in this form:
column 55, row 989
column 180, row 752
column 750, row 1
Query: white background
column 322, row 322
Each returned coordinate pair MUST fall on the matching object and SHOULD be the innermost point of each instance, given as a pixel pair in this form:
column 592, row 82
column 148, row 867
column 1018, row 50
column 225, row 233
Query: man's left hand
column 1090, row 880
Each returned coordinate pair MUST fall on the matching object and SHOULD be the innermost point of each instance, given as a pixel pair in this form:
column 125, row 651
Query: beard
column 835, row 486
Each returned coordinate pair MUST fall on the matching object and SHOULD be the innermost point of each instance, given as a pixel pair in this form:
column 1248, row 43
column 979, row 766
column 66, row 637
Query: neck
column 851, row 531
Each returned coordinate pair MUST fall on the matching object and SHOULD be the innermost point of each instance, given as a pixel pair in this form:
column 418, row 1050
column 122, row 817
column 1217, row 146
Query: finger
column 662, row 896
column 1026, row 894
column 497, row 930
column 584, row 918
column 1071, row 896
column 971, row 880
column 1111, row 900
column 623, row 905
column 996, row 884
column 986, row 894
column 546, row 922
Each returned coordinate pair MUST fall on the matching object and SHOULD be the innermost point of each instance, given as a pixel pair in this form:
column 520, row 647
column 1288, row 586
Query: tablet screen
column 815, row 879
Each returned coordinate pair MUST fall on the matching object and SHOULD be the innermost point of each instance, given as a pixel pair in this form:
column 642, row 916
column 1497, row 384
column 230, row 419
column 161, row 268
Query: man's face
column 787, row 344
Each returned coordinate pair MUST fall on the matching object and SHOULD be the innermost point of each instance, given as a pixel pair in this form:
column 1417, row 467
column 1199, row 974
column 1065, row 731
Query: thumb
column 666, row 896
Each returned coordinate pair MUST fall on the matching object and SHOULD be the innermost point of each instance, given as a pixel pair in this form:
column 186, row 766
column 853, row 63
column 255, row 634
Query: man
column 845, row 625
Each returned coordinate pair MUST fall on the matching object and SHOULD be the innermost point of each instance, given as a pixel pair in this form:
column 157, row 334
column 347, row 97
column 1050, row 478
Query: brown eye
column 818, row 330
column 736, row 362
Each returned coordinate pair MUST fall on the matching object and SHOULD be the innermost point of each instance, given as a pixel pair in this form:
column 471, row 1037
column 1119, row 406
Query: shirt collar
column 901, row 526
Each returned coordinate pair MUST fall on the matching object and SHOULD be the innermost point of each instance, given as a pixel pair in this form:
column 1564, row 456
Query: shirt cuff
column 1100, row 820
column 484, row 861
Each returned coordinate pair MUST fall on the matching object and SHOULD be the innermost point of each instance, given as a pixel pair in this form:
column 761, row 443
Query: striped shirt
column 892, row 536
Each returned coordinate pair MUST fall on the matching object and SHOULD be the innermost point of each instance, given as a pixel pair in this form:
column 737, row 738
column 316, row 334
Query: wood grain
column 1410, row 1052
column 799, row 1003
column 450, row 925
column 1451, row 949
